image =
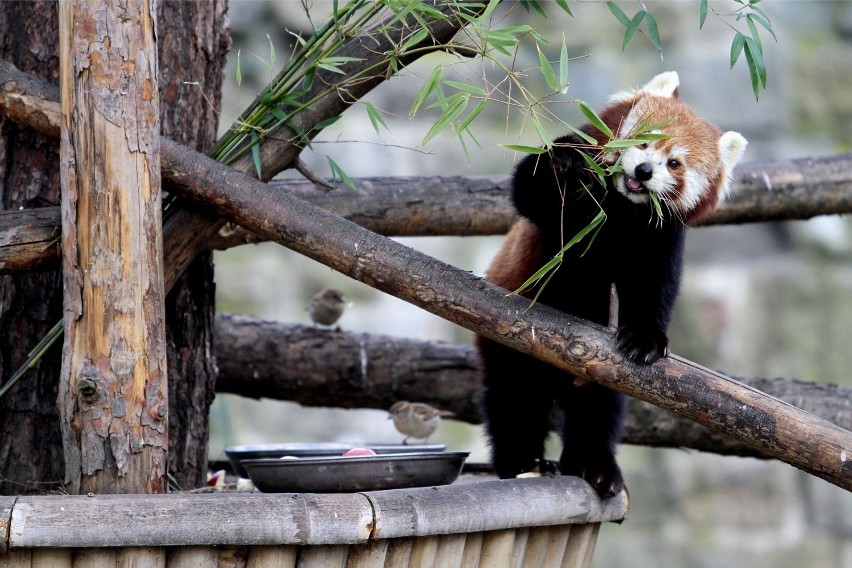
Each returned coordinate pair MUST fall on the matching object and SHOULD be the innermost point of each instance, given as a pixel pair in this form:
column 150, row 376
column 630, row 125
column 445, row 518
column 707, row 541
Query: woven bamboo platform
column 473, row 523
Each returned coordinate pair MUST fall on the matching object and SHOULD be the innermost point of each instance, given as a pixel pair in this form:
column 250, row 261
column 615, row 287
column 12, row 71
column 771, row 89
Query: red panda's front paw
column 642, row 345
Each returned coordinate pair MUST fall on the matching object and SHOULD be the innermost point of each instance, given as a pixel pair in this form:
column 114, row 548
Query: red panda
column 635, row 248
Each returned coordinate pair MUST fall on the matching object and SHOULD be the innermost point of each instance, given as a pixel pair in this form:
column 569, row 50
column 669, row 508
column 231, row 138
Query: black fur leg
column 593, row 425
column 516, row 419
column 642, row 346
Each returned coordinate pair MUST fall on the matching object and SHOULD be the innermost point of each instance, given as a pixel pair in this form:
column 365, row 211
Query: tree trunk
column 113, row 389
column 30, row 304
column 193, row 40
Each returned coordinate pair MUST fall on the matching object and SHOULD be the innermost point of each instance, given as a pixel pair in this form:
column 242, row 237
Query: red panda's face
column 689, row 170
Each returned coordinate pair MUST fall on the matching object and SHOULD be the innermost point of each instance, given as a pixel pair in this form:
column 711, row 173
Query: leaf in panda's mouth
column 633, row 185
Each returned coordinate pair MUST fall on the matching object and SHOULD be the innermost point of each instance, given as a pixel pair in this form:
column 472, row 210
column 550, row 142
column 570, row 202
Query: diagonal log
column 709, row 398
column 713, row 400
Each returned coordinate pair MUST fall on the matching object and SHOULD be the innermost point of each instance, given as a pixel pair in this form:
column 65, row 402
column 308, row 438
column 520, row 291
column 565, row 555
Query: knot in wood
column 580, row 349
column 89, row 389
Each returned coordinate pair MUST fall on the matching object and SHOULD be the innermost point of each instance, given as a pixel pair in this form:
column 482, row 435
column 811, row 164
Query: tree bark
column 113, row 390
column 811, row 444
column 317, row 367
column 30, row 304
column 193, row 39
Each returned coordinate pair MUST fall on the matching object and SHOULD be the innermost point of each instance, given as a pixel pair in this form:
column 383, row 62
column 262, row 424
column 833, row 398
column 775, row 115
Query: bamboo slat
column 272, row 557
column 240, row 519
column 491, row 505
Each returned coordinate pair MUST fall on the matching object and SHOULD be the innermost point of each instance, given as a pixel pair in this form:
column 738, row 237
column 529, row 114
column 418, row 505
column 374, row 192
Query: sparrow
column 416, row 419
column 327, row 306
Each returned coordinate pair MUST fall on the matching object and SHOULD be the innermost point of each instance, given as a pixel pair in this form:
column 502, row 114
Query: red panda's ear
column 663, row 85
column 732, row 146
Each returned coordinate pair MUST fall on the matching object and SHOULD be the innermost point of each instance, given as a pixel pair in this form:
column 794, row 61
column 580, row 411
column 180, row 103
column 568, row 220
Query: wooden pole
column 113, row 390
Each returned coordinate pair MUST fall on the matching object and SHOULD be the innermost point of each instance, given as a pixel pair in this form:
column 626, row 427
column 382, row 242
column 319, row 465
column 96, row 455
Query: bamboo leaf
column 542, row 132
column 618, row 13
column 337, row 171
column 564, row 5
column 653, row 32
column 702, row 13
column 469, row 118
column 763, row 21
column 416, row 38
column 582, row 135
column 375, row 118
column 271, row 52
column 737, row 47
column 255, row 154
column 428, row 87
column 563, row 67
column 472, row 89
column 596, row 120
column 753, row 72
column 547, row 70
column 633, row 28
column 525, row 149
column 452, row 112
column 238, row 72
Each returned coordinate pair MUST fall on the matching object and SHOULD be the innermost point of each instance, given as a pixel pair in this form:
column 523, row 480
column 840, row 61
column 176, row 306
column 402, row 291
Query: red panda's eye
column 674, row 164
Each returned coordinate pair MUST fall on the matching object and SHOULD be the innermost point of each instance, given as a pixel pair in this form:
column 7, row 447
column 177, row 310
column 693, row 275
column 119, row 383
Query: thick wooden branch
column 713, row 400
column 412, row 206
column 473, row 205
column 317, row 367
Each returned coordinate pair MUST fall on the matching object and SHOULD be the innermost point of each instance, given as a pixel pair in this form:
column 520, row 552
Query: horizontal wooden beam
column 187, row 519
column 318, row 367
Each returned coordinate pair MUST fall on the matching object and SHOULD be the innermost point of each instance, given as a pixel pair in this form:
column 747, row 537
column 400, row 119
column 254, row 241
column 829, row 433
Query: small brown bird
column 327, row 306
column 416, row 419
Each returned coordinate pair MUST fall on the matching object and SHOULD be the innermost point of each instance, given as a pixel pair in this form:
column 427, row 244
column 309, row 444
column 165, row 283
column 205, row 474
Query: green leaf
column 763, row 21
column 618, row 13
column 753, row 71
column 754, row 34
column 655, row 202
column 596, row 167
column 428, row 87
column 563, row 68
column 535, row 5
column 525, row 149
column 469, row 118
column 255, row 154
column 415, row 38
column 239, row 73
column 547, row 70
column 621, row 144
column 452, row 112
column 633, row 28
column 590, row 139
column 564, row 5
column 489, row 9
column 337, row 171
column 702, row 13
column 375, row 118
column 326, row 122
column 596, row 120
column 271, row 52
column 472, row 89
column 653, row 32
column 542, row 132
column 737, row 47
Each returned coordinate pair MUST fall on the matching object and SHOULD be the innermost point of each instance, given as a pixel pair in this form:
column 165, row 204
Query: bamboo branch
column 779, row 429
column 315, row 367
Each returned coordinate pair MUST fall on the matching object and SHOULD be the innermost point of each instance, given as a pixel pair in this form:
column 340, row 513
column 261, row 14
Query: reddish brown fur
column 519, row 257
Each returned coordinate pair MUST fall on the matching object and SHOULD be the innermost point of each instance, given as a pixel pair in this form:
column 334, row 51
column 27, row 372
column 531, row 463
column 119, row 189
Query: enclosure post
column 113, row 390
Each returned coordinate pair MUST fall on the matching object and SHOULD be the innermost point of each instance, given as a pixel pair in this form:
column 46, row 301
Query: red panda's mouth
column 633, row 185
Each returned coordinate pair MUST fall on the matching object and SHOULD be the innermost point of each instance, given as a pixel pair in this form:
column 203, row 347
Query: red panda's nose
column 644, row 171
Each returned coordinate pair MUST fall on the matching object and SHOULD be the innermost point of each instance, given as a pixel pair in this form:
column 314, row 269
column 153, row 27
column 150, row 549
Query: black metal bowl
column 313, row 449
column 357, row 473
